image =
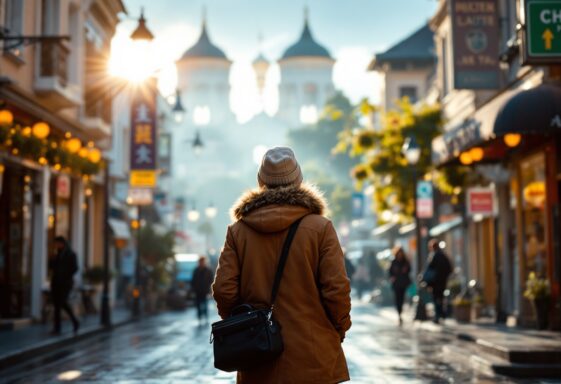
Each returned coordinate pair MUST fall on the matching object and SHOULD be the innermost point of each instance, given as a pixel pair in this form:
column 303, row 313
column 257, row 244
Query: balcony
column 97, row 115
column 52, row 76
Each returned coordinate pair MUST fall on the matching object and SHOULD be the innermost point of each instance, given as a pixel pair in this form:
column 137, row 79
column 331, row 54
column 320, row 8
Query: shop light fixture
column 94, row 155
column 466, row 159
column 6, row 117
column 83, row 153
column 41, row 130
column 26, row 131
column 477, row 154
column 512, row 140
column 74, row 145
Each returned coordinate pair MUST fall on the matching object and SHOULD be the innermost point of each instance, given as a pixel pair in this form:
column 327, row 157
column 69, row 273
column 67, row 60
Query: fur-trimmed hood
column 271, row 210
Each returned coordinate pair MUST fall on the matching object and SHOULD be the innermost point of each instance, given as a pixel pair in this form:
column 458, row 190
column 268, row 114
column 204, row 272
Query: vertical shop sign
column 475, row 43
column 143, row 154
column 425, row 203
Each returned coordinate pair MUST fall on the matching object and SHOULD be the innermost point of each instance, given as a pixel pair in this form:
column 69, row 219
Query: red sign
column 63, row 186
column 481, row 201
column 425, row 208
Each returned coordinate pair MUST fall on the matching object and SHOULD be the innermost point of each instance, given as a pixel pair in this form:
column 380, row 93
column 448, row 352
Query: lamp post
column 178, row 108
column 412, row 153
column 105, row 307
column 141, row 37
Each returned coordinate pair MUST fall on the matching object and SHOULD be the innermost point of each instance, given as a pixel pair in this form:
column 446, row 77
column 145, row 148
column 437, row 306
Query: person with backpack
column 436, row 276
column 312, row 305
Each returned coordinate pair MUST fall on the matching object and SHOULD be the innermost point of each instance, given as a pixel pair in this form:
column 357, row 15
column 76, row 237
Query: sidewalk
column 30, row 341
column 497, row 348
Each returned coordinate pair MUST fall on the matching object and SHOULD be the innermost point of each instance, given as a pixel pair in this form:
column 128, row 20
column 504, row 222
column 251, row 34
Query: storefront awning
column 383, row 229
column 120, row 229
column 445, row 227
column 537, row 110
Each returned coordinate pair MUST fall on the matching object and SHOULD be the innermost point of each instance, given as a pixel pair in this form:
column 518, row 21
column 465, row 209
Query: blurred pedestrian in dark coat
column 200, row 285
column 399, row 278
column 63, row 267
column 436, row 276
column 349, row 268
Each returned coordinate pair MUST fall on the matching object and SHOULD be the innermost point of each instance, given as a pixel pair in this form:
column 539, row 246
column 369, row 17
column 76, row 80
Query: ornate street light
column 411, row 150
column 178, row 109
column 198, row 144
column 142, row 33
column 193, row 215
column 211, row 211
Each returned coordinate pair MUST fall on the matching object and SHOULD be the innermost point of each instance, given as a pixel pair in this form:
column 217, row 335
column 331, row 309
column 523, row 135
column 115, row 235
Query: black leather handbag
column 251, row 337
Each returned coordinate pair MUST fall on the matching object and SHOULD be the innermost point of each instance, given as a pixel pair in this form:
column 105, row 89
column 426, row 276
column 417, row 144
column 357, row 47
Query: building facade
column 518, row 159
column 58, row 83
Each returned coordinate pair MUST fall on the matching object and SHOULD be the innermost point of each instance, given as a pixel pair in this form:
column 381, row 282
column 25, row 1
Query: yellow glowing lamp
column 512, row 139
column 26, row 131
column 477, row 154
column 6, row 117
column 2, row 168
column 74, row 145
column 83, row 152
column 42, row 161
column 466, row 159
column 94, row 155
column 135, row 224
column 41, row 130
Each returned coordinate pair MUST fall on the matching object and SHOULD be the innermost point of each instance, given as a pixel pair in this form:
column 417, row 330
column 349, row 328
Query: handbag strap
column 282, row 260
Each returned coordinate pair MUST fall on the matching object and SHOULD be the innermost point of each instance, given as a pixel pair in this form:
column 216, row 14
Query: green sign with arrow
column 543, row 30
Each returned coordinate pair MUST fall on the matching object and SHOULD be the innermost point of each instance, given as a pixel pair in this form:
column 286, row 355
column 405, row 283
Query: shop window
column 533, row 185
column 410, row 92
column 13, row 21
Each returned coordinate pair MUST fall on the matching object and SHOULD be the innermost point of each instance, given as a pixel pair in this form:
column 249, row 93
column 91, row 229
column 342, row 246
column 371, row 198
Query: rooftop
column 306, row 46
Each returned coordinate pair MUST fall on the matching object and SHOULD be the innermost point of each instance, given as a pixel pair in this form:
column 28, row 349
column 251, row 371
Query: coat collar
column 306, row 196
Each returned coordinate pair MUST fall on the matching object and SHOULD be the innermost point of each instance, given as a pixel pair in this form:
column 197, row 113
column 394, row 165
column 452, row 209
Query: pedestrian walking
column 349, row 268
column 200, row 286
column 399, row 278
column 313, row 302
column 436, row 276
column 63, row 266
column 361, row 278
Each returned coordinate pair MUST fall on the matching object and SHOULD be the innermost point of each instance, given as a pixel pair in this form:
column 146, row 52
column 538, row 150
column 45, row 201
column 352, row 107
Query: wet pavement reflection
column 173, row 348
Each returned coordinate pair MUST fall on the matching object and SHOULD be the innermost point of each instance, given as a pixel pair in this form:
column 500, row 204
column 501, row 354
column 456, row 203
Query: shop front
column 516, row 136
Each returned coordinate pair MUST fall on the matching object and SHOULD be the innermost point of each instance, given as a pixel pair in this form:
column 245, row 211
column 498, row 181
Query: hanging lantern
column 42, row 161
column 512, row 139
column 6, row 117
column 94, row 155
column 74, row 145
column 41, row 130
column 26, row 131
column 477, row 154
column 466, row 159
column 83, row 152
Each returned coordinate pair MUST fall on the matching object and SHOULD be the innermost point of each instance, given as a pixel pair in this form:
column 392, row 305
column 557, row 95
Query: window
column 409, row 92
column 14, row 23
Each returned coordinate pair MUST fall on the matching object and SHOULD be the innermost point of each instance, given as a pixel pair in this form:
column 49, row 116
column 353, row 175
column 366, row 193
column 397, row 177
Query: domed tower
column 203, row 79
column 306, row 79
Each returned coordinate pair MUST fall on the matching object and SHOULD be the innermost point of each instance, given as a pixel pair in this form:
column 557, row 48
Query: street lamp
column 178, row 109
column 412, row 153
column 198, row 143
column 211, row 211
column 193, row 215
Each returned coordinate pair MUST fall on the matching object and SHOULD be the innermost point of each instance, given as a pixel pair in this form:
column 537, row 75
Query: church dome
column 306, row 46
column 204, row 48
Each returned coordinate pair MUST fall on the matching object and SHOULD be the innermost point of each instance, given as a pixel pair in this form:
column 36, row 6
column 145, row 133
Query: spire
column 204, row 18
column 306, row 33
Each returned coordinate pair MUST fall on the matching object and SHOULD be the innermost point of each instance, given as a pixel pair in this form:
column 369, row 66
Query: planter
column 462, row 313
column 541, row 311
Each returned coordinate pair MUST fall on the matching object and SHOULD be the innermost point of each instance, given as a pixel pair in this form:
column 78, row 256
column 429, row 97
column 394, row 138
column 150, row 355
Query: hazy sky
column 352, row 30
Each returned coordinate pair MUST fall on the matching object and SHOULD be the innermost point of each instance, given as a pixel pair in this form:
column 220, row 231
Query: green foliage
column 156, row 253
column 328, row 169
column 383, row 163
column 537, row 288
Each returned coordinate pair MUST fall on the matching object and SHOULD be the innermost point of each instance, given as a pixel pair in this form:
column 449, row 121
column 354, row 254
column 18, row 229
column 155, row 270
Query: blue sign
column 424, row 190
column 357, row 210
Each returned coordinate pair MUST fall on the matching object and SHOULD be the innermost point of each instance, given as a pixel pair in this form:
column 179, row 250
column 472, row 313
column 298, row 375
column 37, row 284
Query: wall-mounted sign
column 63, row 186
column 425, row 202
column 143, row 154
column 140, row 196
column 475, row 44
column 481, row 201
column 542, row 32
column 357, row 211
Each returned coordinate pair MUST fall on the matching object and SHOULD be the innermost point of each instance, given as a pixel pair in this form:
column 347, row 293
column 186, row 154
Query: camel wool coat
column 313, row 303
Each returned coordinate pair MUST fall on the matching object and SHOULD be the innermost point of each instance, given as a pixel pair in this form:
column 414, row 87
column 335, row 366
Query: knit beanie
column 279, row 168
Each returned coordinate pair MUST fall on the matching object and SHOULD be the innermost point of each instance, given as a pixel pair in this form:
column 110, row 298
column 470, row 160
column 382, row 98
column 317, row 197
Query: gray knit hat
column 279, row 168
